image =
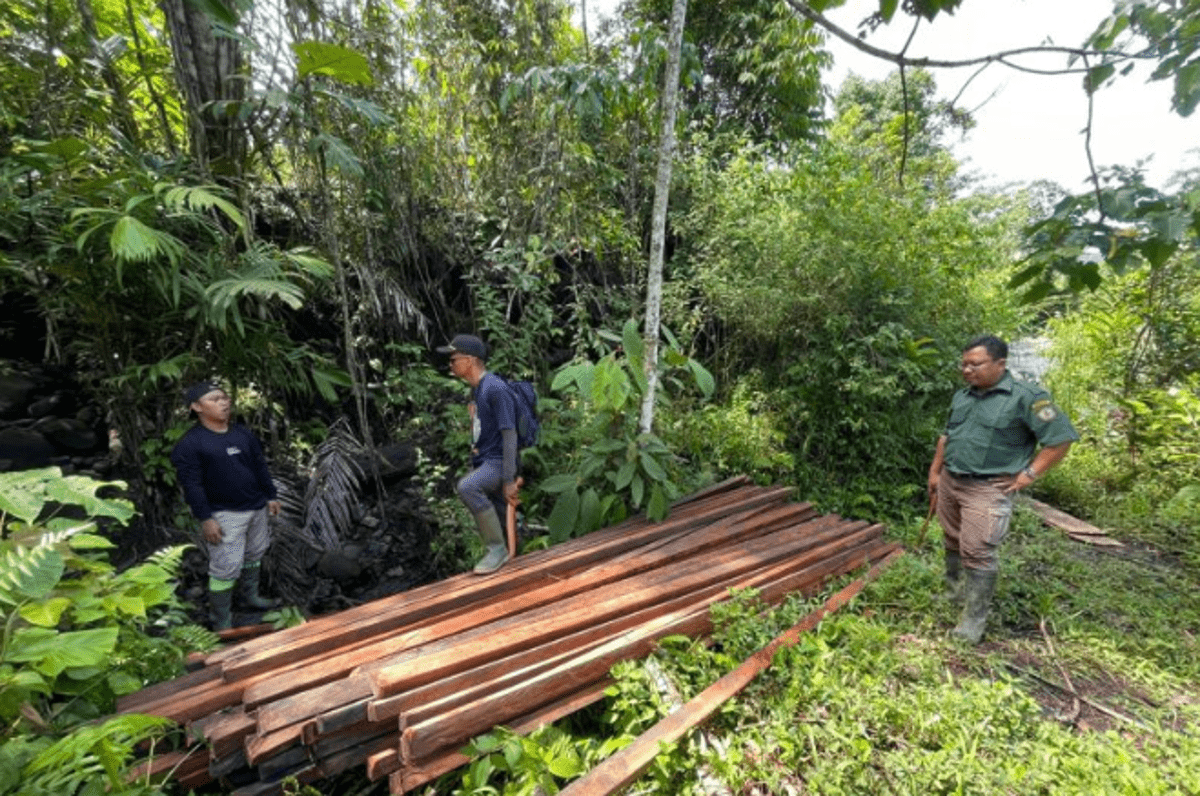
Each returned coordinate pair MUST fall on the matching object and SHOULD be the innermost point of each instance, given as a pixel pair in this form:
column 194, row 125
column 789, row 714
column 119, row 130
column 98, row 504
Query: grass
column 1088, row 682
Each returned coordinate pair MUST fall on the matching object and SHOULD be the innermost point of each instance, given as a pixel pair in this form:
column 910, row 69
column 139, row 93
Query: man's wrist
column 1030, row 473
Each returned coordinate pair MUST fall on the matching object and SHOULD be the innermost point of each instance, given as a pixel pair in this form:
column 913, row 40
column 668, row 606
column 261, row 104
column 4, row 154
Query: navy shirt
column 494, row 412
column 222, row 472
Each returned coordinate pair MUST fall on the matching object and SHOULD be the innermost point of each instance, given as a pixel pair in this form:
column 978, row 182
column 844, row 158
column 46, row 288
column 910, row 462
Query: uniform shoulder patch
column 1044, row 410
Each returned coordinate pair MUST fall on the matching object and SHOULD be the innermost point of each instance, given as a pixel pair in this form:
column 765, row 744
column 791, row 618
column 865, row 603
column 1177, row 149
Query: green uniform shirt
column 996, row 432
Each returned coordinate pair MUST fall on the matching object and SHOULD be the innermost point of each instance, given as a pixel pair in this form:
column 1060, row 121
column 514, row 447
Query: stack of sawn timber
column 399, row 685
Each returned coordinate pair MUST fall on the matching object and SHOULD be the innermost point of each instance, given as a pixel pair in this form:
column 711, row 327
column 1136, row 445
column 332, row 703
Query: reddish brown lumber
column 267, row 745
column 442, row 696
column 245, row 632
column 228, row 732
column 170, row 764
column 138, row 700
column 336, row 666
column 312, row 702
column 625, row 766
column 458, row 596
column 528, row 661
column 499, row 638
column 443, row 730
column 404, row 779
column 275, row 711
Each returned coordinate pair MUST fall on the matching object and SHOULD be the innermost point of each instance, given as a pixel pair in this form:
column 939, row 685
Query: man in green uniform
column 984, row 456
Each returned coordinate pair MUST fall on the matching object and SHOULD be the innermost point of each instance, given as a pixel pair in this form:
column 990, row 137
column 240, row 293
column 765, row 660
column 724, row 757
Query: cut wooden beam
column 453, row 726
column 459, row 597
column 401, row 779
column 596, row 605
column 334, row 667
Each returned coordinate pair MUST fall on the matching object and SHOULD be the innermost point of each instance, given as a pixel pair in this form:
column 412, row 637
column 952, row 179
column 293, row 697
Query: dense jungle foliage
column 304, row 198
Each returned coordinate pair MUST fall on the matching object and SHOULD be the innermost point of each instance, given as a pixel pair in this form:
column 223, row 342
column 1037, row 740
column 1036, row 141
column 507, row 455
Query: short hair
column 996, row 348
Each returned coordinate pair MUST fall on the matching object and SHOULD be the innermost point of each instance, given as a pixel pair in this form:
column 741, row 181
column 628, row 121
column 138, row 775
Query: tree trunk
column 212, row 78
column 662, row 190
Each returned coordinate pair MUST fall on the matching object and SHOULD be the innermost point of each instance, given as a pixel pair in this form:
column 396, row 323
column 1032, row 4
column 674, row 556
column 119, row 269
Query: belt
column 975, row 476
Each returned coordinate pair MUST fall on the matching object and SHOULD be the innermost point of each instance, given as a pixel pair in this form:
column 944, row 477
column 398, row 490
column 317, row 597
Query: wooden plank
column 445, row 729
column 623, row 767
column 312, row 702
column 229, row 731
column 334, row 667
column 275, row 711
column 527, row 661
column 458, row 596
column 1072, row 526
column 403, row 779
column 441, row 696
column 267, row 745
column 596, row 605
column 138, row 700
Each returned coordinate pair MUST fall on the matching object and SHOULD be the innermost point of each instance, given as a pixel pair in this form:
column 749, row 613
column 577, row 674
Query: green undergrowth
column 1088, row 681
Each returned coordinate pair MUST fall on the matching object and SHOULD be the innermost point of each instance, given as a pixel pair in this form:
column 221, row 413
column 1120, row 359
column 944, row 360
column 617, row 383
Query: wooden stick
column 511, row 520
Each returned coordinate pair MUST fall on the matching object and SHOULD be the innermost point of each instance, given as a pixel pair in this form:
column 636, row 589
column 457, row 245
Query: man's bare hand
column 273, row 508
column 211, row 529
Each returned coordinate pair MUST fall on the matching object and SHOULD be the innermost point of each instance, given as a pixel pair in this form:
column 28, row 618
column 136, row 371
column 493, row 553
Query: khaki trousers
column 975, row 515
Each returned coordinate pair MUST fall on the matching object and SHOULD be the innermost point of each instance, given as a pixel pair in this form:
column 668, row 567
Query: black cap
column 465, row 344
column 198, row 391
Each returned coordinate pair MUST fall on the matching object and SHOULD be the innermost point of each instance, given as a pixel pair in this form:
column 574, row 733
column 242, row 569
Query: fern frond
column 29, row 573
column 194, row 638
column 170, row 558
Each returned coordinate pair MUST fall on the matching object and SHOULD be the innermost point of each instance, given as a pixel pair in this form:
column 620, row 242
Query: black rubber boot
column 493, row 536
column 220, row 609
column 954, row 579
column 247, row 589
column 980, row 586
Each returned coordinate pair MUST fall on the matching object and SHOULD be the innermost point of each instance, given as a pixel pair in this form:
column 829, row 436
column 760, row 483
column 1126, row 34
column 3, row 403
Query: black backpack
column 525, row 398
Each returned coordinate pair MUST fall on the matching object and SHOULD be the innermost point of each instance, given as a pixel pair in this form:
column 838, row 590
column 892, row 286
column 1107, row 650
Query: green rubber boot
column 954, row 580
column 980, row 586
column 247, row 589
column 220, row 603
column 493, row 536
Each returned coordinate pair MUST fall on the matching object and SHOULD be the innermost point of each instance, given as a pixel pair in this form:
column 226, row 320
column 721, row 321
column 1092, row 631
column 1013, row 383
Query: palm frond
column 388, row 303
column 332, row 495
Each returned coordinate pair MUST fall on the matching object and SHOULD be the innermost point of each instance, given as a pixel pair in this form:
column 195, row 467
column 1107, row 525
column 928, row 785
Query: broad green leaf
column 652, row 467
column 90, row 541
column 46, row 613
column 558, row 483
column 658, row 506
column 23, row 493
column 563, row 515
column 332, row 60
column 637, row 489
column 51, row 653
column 337, row 154
column 123, row 683
column 589, row 511
column 625, row 474
column 80, row 491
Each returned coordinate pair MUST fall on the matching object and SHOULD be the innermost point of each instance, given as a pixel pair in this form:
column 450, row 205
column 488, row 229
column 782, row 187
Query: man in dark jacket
column 226, row 484
column 491, row 484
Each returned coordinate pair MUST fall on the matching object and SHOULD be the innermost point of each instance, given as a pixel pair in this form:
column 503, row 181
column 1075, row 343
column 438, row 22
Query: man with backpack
column 492, row 482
